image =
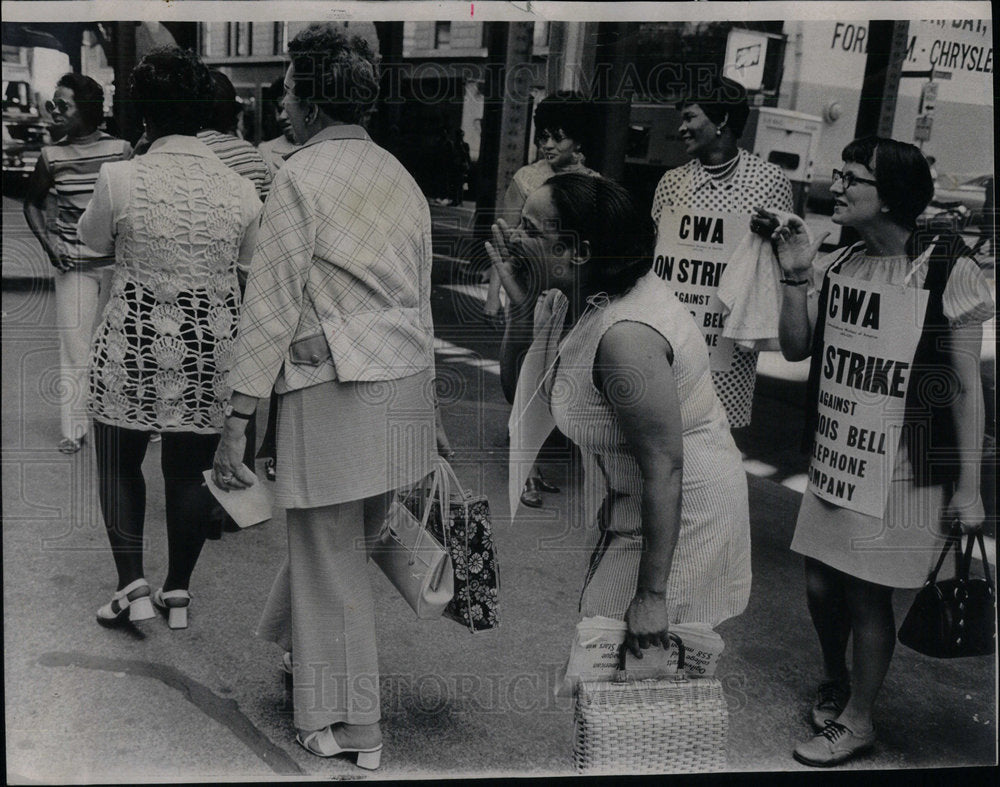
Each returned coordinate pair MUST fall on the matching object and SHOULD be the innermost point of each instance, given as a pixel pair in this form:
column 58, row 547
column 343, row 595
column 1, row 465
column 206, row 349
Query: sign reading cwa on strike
column 870, row 337
column 693, row 250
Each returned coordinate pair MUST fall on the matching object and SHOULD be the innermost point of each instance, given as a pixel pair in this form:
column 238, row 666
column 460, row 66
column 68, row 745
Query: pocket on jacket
column 309, row 350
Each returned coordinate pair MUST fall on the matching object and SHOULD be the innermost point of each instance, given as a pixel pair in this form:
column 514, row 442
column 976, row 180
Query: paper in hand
column 246, row 506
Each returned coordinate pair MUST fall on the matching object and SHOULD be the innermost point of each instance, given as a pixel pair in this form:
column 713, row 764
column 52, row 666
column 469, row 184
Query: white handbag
column 412, row 558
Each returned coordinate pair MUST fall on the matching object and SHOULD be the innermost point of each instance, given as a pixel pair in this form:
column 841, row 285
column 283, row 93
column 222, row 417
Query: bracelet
column 794, row 282
column 651, row 592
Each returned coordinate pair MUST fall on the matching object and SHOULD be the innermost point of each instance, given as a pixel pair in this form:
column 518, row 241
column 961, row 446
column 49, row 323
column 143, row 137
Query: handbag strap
column 954, row 542
column 449, row 473
column 440, row 486
column 967, row 560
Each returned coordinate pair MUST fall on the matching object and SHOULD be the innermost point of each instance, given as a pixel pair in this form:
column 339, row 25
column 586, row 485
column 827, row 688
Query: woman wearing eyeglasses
column 563, row 123
column 893, row 325
column 70, row 168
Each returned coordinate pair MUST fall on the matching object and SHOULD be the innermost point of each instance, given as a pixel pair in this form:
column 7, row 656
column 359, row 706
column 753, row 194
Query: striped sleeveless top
column 74, row 165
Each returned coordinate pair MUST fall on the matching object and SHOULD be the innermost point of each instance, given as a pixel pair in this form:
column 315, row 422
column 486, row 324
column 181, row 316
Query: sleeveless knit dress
column 710, row 576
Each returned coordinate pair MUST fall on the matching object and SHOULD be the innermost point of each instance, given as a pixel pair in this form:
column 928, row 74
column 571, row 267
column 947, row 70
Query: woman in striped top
column 70, row 167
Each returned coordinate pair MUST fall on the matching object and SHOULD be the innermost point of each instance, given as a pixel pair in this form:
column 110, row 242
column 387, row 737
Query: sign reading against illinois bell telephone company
column 693, row 249
column 870, row 335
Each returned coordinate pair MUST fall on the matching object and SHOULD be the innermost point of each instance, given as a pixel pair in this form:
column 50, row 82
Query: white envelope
column 246, row 506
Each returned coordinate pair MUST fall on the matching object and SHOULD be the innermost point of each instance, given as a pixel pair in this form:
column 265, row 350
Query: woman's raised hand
column 503, row 267
column 792, row 240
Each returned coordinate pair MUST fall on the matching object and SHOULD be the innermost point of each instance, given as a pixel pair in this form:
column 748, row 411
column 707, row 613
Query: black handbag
column 954, row 617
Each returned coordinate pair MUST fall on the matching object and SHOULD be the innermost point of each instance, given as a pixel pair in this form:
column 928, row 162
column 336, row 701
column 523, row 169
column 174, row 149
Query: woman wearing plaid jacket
column 337, row 318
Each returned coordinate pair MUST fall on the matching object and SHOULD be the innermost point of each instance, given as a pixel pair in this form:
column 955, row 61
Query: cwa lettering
column 703, row 229
column 848, row 303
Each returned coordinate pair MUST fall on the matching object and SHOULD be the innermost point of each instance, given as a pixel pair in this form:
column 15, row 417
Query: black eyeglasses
column 849, row 179
column 60, row 104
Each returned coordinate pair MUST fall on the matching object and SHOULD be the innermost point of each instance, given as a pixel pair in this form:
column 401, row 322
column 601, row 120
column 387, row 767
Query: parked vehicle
column 23, row 138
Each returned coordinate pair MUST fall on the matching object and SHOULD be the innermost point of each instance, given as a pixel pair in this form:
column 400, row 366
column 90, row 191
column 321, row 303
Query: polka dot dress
column 755, row 182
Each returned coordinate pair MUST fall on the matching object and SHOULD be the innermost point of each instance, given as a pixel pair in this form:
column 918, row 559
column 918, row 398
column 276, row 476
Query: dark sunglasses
column 849, row 179
column 60, row 104
column 544, row 136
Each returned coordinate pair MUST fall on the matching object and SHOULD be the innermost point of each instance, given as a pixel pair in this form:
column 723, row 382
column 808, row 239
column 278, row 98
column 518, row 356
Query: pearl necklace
column 722, row 172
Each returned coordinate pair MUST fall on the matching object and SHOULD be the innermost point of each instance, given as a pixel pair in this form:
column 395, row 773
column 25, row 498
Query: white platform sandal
column 174, row 603
column 133, row 598
column 322, row 743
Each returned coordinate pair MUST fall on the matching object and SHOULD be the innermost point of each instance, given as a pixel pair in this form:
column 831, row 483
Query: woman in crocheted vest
column 180, row 225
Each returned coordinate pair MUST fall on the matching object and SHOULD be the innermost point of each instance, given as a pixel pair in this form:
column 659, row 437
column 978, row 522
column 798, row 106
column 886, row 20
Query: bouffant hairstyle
column 568, row 112
column 902, row 176
column 88, row 96
column 172, row 89
column 603, row 213
column 719, row 96
column 225, row 109
column 339, row 75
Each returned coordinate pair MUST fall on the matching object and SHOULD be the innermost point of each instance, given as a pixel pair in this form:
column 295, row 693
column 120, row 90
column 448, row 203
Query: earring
column 718, row 132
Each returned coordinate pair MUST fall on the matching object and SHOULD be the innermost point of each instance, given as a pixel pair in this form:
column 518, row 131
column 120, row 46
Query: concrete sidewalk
column 85, row 704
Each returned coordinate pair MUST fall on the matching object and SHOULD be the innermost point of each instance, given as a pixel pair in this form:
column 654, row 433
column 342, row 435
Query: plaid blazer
column 339, row 286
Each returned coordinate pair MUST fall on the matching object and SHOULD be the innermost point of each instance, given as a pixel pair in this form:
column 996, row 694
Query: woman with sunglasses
column 893, row 325
column 69, row 168
column 563, row 123
column 626, row 379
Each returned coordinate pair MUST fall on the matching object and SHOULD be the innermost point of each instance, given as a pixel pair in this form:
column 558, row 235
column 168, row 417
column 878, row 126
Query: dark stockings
column 841, row 605
column 122, row 492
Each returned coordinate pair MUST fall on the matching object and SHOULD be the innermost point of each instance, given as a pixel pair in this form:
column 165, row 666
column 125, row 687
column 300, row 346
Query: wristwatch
column 229, row 412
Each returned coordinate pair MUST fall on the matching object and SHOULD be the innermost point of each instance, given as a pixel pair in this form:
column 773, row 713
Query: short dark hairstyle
column 275, row 92
column 225, row 108
column 171, row 88
column 603, row 213
column 339, row 75
column 569, row 112
column 88, row 95
column 719, row 96
column 902, row 175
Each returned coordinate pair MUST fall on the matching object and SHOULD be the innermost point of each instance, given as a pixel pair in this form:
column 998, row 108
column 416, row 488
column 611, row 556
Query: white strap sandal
column 133, row 598
column 175, row 604
column 322, row 743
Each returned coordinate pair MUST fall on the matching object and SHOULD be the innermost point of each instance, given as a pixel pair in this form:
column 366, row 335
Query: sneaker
column 831, row 698
column 837, row 743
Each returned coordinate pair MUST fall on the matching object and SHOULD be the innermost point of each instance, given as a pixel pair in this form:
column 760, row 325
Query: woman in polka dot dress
column 723, row 178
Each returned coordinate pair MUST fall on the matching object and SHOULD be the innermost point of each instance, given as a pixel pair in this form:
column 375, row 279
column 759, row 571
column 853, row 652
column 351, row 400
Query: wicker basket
column 663, row 725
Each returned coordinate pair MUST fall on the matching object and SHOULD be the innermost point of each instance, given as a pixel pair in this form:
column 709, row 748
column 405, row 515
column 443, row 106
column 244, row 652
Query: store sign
column 922, row 131
column 928, row 98
column 745, row 51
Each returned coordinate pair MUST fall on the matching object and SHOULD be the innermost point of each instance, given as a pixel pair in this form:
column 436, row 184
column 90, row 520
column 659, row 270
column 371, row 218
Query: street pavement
column 146, row 704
